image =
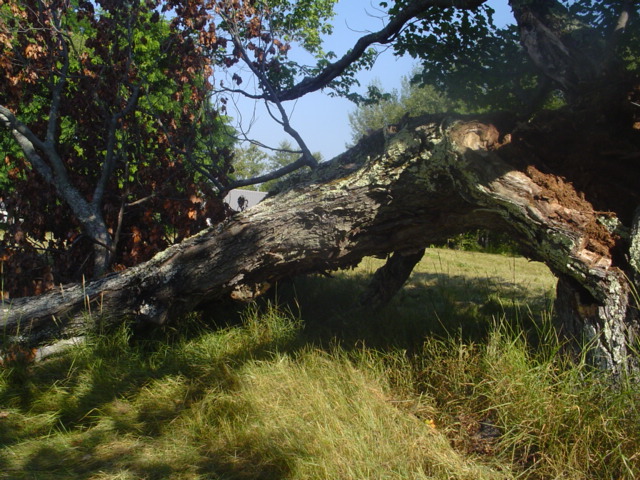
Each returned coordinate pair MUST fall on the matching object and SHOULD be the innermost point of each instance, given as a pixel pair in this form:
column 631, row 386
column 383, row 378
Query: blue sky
column 322, row 120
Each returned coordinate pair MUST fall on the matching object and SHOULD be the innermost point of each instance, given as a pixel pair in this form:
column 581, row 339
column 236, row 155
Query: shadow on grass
column 83, row 460
column 79, row 390
column 429, row 305
column 62, row 462
column 82, row 381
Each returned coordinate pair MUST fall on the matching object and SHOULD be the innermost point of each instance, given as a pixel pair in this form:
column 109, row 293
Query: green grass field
column 458, row 378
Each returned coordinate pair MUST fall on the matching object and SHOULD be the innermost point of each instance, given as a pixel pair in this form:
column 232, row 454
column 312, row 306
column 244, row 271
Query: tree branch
column 626, row 11
column 27, row 141
column 58, row 86
column 273, row 97
column 110, row 157
column 623, row 18
column 310, row 84
column 56, row 174
column 301, row 162
column 386, row 35
column 244, row 93
column 10, row 121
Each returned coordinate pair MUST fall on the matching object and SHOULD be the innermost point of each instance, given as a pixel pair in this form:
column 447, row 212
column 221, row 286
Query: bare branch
column 257, row 143
column 279, row 121
column 244, row 93
column 273, row 97
column 301, row 162
column 140, row 201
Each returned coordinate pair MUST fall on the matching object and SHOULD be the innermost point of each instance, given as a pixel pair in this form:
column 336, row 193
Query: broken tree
column 398, row 192
column 564, row 183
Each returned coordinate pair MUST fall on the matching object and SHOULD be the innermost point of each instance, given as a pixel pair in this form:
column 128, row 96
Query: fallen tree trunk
column 393, row 192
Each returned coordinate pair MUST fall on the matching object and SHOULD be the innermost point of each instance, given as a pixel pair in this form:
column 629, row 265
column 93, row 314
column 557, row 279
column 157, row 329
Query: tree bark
column 54, row 172
column 562, row 48
column 434, row 178
column 390, row 278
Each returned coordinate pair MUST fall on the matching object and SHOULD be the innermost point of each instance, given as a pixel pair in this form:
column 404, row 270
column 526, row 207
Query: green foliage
column 484, row 241
column 344, row 84
column 283, row 156
column 265, row 30
column 134, row 115
column 466, row 56
column 389, row 108
column 248, row 162
column 7, row 146
column 303, row 22
column 603, row 16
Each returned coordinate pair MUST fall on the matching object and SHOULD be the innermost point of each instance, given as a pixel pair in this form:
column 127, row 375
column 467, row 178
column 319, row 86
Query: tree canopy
column 107, row 114
column 464, row 54
column 108, row 128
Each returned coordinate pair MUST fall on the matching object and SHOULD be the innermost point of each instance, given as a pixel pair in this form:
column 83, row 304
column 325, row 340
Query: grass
column 458, row 378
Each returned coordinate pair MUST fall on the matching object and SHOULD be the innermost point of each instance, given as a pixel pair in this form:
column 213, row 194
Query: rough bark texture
column 397, row 192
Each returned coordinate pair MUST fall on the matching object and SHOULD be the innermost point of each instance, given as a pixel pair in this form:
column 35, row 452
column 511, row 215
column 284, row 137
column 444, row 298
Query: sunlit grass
column 460, row 377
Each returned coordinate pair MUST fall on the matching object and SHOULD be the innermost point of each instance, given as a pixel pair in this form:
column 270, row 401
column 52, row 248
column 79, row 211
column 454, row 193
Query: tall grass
column 469, row 386
column 545, row 416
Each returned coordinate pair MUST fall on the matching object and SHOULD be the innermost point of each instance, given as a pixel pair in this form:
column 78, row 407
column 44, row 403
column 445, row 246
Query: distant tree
column 248, row 162
column 284, row 155
column 412, row 99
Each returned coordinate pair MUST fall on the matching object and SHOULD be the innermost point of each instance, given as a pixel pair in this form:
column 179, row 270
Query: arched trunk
column 433, row 179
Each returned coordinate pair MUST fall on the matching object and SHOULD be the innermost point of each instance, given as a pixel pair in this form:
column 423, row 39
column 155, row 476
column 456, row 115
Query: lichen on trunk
column 435, row 178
